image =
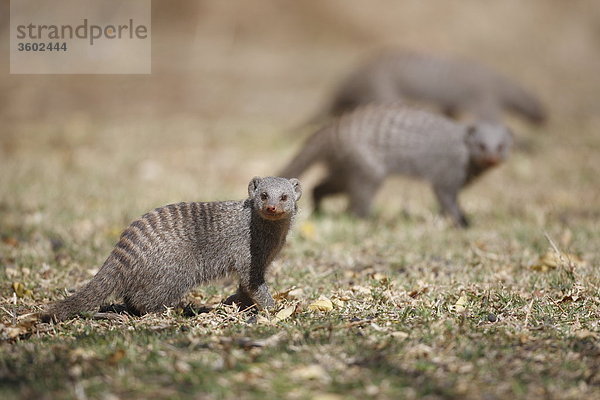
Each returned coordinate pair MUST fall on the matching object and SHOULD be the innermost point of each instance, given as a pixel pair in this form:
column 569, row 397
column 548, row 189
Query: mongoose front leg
column 252, row 290
column 448, row 199
column 361, row 192
column 262, row 297
column 246, row 298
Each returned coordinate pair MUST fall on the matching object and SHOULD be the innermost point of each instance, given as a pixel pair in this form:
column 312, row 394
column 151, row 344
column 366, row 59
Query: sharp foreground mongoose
column 365, row 146
column 168, row 251
column 453, row 85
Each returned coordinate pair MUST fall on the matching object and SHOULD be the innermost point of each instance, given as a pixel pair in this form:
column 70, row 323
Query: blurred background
column 229, row 79
column 278, row 60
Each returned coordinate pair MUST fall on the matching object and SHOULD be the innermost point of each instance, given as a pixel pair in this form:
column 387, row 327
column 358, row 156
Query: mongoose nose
column 271, row 209
column 492, row 160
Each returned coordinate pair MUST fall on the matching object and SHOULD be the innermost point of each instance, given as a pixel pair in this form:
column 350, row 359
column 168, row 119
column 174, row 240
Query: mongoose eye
column 284, row 197
column 264, row 196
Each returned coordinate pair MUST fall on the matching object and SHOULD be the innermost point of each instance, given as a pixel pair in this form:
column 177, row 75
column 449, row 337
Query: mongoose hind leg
column 328, row 186
column 130, row 308
column 448, row 199
column 155, row 297
column 450, row 112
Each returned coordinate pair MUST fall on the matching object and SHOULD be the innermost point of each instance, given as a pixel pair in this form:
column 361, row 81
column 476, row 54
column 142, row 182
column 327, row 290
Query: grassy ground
column 418, row 308
column 407, row 306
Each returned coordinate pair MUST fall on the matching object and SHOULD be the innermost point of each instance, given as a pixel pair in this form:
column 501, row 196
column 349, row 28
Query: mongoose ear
column 297, row 188
column 471, row 130
column 253, row 186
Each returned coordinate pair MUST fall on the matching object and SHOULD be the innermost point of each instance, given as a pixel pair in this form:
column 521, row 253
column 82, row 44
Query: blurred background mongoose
column 455, row 86
column 362, row 148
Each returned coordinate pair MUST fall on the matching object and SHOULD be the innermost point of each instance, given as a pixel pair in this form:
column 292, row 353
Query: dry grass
column 419, row 309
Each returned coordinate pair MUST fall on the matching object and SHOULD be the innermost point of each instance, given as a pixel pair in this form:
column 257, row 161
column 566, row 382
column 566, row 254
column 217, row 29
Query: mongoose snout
column 274, row 212
column 490, row 161
column 274, row 206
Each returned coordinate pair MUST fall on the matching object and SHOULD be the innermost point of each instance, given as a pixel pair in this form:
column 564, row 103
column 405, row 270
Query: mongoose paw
column 241, row 300
column 192, row 310
column 47, row 318
column 464, row 222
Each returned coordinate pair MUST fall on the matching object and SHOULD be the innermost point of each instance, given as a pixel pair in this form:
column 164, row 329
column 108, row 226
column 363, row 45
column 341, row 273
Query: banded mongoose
column 362, row 148
column 456, row 86
column 170, row 250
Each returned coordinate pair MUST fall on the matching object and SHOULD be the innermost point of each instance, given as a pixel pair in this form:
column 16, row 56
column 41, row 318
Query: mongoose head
column 274, row 198
column 488, row 143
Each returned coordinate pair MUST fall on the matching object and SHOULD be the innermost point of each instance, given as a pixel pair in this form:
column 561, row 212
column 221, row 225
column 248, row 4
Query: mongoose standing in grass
column 170, row 250
column 454, row 85
column 362, row 148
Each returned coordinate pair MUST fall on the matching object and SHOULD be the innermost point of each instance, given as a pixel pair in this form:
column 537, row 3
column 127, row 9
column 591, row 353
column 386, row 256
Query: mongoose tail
column 310, row 153
column 520, row 101
column 88, row 298
column 318, row 119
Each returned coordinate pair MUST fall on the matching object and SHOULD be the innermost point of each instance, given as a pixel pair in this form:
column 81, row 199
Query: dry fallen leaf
column 417, row 292
column 11, row 332
column 419, row 351
column 115, row 357
column 182, row 366
column 285, row 313
column 569, row 297
column 328, row 396
column 81, row 354
column 551, row 260
column 308, row 231
column 361, row 290
column 338, row 302
column 310, row 372
column 399, row 335
column 292, row 293
column 380, row 277
column 296, row 294
column 461, row 304
column 11, row 241
column 584, row 334
column 10, row 271
column 271, row 340
column 20, row 290
column 322, row 304
column 262, row 320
